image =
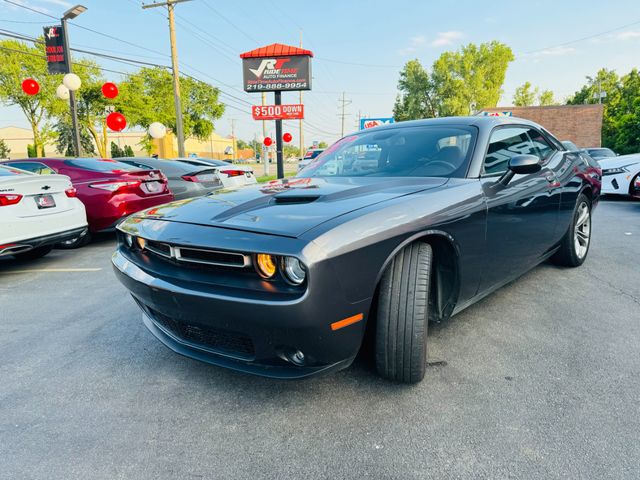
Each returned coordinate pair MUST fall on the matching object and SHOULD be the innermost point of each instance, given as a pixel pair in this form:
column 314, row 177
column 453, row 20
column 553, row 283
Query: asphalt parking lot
column 539, row 380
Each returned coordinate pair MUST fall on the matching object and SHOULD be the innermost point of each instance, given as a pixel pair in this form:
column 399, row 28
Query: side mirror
column 521, row 165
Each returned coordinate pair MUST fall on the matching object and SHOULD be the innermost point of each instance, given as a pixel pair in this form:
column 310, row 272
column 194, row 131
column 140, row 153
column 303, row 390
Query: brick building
column 582, row 124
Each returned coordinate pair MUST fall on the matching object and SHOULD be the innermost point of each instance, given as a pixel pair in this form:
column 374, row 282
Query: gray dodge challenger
column 389, row 229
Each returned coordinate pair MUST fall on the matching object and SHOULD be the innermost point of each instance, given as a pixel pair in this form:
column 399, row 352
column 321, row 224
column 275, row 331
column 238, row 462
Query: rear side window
column 34, row 167
column 102, row 165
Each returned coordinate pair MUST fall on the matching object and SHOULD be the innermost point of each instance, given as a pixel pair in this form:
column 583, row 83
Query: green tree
column 65, row 141
column 128, row 151
column 147, row 96
column 291, row 151
column 19, row 62
column 242, row 144
column 525, row 95
column 116, row 151
column 146, row 144
column 4, row 149
column 470, row 78
column 414, row 99
column 546, row 98
column 604, row 82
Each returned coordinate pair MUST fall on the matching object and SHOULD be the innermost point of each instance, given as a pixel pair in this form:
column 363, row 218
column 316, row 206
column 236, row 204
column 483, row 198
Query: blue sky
column 359, row 47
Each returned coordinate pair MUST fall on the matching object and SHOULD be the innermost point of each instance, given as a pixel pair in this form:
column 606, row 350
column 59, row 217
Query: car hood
column 616, row 162
column 288, row 207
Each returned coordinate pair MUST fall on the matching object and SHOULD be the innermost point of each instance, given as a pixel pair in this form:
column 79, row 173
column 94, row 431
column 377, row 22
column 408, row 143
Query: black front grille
column 212, row 257
column 211, row 338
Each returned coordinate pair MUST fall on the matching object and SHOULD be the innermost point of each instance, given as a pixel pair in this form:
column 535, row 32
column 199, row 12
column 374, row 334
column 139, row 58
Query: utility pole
column 170, row 4
column 70, row 15
column 344, row 103
column 233, row 140
column 301, row 125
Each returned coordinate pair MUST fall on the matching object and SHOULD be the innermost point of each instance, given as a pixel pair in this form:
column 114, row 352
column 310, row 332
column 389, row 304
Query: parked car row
column 62, row 201
column 620, row 173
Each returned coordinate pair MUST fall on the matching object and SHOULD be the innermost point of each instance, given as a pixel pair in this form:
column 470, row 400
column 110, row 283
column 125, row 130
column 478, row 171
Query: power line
column 242, row 31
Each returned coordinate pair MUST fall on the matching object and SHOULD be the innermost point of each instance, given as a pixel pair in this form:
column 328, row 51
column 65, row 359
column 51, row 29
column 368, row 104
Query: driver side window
column 506, row 143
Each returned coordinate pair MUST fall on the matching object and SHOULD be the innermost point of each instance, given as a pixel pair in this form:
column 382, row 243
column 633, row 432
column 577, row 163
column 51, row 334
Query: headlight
column 614, row 171
column 128, row 240
column 266, row 265
column 141, row 242
column 294, row 271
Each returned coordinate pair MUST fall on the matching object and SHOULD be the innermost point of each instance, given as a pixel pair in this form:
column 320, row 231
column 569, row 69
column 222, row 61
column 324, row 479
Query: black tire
column 572, row 252
column 402, row 317
column 34, row 253
column 74, row 243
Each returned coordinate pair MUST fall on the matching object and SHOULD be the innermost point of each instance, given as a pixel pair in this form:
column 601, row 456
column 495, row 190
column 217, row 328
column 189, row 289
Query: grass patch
column 268, row 178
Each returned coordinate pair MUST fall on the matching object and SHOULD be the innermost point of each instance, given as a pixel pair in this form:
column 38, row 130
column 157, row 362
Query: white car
column 37, row 212
column 232, row 176
column 621, row 175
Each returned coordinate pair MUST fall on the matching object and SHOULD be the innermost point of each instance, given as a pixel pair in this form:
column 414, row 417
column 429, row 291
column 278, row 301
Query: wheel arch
column 445, row 274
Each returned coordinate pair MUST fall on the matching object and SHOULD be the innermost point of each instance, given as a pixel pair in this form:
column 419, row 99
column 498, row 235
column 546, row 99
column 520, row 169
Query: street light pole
column 69, row 15
column 170, row 4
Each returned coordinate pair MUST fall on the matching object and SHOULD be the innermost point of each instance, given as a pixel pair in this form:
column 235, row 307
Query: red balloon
column 287, row 137
column 110, row 90
column 116, row 121
column 268, row 141
column 30, row 86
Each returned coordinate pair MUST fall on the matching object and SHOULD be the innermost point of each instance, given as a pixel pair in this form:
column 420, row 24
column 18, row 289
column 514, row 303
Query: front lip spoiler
column 269, row 371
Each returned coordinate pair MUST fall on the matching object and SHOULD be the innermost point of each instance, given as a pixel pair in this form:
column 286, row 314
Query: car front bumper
column 243, row 333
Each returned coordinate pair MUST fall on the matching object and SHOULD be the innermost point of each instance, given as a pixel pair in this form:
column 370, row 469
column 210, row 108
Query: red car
column 110, row 190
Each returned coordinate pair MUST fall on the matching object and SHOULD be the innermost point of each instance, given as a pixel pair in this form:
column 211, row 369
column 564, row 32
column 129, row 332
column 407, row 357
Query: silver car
column 185, row 180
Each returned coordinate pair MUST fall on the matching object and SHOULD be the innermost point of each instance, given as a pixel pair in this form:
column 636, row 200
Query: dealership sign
column 278, row 112
column 54, row 48
column 276, row 73
column 498, row 114
column 374, row 122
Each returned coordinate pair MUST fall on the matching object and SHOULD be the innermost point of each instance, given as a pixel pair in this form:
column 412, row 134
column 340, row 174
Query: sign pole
column 265, row 152
column 77, row 145
column 278, row 101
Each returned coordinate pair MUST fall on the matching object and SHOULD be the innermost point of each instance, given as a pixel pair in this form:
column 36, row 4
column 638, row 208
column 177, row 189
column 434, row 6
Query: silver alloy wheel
column 582, row 234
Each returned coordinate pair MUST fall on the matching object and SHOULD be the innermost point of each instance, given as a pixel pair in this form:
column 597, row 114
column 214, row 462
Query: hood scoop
column 295, row 199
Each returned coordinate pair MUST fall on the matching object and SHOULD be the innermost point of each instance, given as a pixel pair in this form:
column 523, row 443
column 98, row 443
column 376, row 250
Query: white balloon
column 62, row 92
column 72, row 81
column 157, row 130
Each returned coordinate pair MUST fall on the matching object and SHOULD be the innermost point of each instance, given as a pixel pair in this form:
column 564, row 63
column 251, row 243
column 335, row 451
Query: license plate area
column 152, row 187
column 45, row 201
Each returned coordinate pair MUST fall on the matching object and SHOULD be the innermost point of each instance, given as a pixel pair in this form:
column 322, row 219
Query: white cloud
column 628, row 35
column 446, row 38
column 556, row 51
column 421, row 41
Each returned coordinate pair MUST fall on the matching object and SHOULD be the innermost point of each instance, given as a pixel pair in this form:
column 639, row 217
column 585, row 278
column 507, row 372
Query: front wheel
column 402, row 320
column 576, row 242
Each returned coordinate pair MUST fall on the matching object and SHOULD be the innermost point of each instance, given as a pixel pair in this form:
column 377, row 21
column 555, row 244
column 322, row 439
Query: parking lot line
column 51, row 270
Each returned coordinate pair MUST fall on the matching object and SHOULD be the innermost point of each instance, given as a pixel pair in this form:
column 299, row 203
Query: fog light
column 266, row 265
column 297, row 358
column 294, row 271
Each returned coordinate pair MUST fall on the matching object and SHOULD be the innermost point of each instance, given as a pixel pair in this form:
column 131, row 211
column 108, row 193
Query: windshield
column 601, row 152
column 428, row 151
column 10, row 172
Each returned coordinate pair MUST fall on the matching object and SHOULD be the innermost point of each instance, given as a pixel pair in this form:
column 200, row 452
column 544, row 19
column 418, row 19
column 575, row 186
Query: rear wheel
column 34, row 253
column 576, row 242
column 402, row 317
